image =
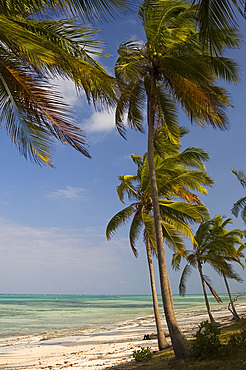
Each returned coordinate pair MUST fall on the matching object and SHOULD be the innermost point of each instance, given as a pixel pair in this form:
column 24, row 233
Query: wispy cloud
column 70, row 192
column 43, row 260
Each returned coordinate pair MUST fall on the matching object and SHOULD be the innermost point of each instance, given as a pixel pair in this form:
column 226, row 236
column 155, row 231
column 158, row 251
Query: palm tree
column 175, row 178
column 214, row 245
column 33, row 51
column 171, row 67
column 196, row 258
column 225, row 242
column 240, row 205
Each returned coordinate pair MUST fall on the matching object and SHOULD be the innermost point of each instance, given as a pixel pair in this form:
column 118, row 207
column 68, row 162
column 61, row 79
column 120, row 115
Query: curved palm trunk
column 233, row 310
column 205, row 294
column 178, row 340
column 162, row 342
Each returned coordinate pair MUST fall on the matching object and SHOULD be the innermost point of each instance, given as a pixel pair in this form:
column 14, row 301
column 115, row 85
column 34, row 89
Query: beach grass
column 234, row 358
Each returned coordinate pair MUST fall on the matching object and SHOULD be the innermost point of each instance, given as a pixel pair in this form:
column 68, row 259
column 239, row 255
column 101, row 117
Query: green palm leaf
column 88, row 10
column 172, row 237
column 176, row 260
column 126, row 187
column 118, row 220
column 149, row 228
column 183, row 211
column 182, row 283
column 216, row 15
column 135, row 230
column 194, row 157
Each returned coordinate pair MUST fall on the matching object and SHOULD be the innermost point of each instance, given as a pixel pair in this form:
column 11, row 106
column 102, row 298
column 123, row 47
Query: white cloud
column 100, row 122
column 70, row 192
column 68, row 91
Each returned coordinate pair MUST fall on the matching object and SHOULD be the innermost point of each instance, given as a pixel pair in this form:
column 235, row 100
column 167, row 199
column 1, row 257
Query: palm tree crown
column 176, row 179
column 32, row 52
column 182, row 69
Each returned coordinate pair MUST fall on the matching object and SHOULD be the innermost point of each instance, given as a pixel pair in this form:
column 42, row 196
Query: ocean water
column 59, row 314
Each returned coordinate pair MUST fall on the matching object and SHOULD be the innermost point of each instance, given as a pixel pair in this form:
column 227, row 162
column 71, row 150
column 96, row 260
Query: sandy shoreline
column 95, row 351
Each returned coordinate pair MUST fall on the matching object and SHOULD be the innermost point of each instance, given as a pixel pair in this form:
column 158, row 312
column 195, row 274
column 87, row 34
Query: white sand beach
column 96, row 351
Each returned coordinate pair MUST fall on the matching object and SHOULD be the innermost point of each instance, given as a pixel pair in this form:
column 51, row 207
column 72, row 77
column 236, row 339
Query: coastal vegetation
column 215, row 245
column 232, row 338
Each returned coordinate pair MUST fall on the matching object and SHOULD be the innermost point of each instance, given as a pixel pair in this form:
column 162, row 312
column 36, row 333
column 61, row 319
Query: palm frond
column 30, row 105
column 145, row 180
column 135, row 229
column 212, row 290
column 194, row 157
column 231, row 274
column 222, row 39
column 204, row 106
column 172, row 237
column 130, row 107
column 182, row 283
column 241, row 177
column 131, row 61
column 118, row 220
column 183, row 211
column 88, row 10
column 202, row 235
column 166, row 117
column 167, row 22
column 243, row 214
column 239, row 205
column 97, row 9
column 126, row 187
column 213, row 15
column 186, row 195
column 225, row 68
column 176, row 260
column 149, row 228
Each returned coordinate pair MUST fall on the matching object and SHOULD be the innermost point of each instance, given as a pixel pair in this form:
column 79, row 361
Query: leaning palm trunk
column 178, row 340
column 233, row 310
column 162, row 342
column 205, row 294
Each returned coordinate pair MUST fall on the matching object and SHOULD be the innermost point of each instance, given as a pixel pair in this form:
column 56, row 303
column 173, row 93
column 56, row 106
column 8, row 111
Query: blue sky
column 52, row 221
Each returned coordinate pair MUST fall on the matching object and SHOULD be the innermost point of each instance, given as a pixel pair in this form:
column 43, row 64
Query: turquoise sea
column 38, row 314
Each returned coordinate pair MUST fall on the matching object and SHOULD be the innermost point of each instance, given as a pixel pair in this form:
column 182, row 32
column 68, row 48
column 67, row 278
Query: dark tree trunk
column 205, row 294
column 179, row 342
column 233, row 310
column 162, row 342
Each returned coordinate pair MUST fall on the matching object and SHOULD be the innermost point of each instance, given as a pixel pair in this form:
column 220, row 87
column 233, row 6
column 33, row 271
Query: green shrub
column 143, row 354
column 238, row 340
column 207, row 343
